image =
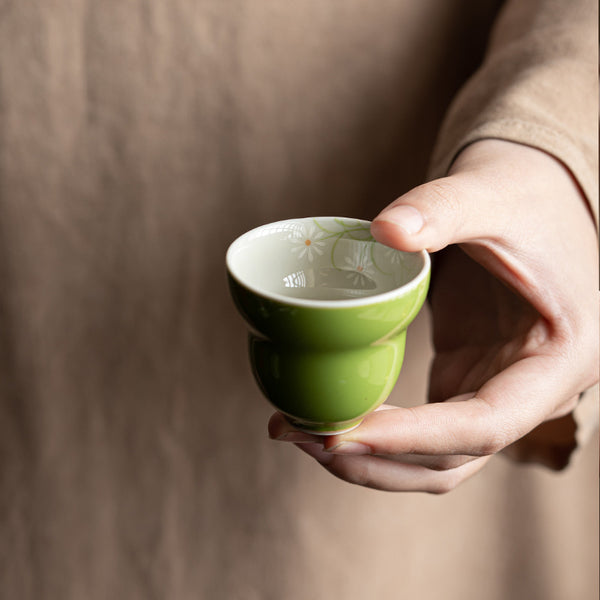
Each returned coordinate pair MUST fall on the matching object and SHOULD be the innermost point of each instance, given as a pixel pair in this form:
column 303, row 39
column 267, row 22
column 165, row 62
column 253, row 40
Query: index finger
column 477, row 424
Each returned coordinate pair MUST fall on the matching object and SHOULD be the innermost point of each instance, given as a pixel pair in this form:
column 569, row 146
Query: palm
column 480, row 327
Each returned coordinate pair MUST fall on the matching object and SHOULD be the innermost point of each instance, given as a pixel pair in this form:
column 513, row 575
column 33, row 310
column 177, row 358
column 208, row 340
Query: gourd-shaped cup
column 328, row 309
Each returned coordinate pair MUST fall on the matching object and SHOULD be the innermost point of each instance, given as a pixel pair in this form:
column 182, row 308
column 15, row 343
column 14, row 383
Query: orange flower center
column 308, row 242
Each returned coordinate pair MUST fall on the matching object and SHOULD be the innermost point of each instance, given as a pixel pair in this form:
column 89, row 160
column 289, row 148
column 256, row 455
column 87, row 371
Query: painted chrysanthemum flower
column 393, row 256
column 307, row 241
column 358, row 266
column 397, row 260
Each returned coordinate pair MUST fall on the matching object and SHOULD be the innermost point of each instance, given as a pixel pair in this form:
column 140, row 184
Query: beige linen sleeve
column 538, row 85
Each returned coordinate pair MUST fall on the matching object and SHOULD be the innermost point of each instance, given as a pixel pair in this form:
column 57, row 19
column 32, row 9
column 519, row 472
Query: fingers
column 383, row 474
column 435, row 447
column 429, row 430
column 280, row 429
column 466, row 427
column 430, row 217
column 507, row 407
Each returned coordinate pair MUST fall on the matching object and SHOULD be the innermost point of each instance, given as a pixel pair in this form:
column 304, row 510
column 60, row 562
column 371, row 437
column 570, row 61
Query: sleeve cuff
column 554, row 443
column 534, row 135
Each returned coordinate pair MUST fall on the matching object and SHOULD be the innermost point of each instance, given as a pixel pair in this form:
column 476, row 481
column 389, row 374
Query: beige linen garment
column 137, row 139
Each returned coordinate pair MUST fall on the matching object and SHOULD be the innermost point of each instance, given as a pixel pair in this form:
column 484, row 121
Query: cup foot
column 325, row 428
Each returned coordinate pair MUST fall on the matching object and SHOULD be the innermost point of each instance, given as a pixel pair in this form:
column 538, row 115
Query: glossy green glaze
column 326, row 391
column 326, row 368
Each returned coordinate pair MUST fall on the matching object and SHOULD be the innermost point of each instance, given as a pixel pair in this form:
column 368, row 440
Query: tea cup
column 328, row 308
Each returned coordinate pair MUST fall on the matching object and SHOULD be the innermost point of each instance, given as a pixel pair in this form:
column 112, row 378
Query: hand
column 515, row 320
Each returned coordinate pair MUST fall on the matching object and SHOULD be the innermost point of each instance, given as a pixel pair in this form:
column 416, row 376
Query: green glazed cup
column 328, row 309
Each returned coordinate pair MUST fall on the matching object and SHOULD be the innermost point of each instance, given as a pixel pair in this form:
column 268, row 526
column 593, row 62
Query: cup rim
column 323, row 304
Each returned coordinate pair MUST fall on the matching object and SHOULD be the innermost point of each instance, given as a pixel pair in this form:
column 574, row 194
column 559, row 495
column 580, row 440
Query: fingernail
column 295, row 436
column 350, row 448
column 405, row 216
column 316, row 452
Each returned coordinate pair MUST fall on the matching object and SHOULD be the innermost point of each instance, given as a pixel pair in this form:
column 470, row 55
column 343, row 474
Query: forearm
column 538, row 86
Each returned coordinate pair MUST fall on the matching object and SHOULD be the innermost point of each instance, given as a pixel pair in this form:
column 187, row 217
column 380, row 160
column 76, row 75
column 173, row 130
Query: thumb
column 446, row 211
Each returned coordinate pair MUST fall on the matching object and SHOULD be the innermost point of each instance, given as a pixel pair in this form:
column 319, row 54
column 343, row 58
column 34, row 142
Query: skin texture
column 515, row 319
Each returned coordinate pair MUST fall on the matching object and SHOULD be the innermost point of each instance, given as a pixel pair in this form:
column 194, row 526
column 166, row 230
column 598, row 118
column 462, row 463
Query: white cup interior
column 321, row 259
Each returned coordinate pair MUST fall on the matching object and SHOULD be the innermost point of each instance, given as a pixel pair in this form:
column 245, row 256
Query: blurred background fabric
column 138, row 138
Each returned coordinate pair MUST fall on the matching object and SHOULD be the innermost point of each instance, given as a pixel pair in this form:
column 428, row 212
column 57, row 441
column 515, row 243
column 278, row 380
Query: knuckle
column 496, row 432
column 493, row 442
column 565, row 408
column 444, row 486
